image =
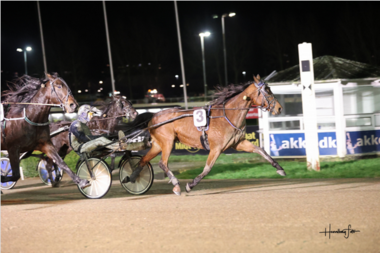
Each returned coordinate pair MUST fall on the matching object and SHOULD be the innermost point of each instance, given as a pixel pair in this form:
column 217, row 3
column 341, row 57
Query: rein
column 62, row 105
column 109, row 118
column 14, row 103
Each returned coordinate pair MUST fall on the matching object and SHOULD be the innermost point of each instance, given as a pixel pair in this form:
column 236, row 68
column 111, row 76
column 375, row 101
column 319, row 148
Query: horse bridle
column 126, row 108
column 62, row 104
column 261, row 89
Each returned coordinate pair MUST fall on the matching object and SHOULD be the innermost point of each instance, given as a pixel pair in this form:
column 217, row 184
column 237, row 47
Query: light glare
column 19, row 50
column 232, row 14
column 28, row 49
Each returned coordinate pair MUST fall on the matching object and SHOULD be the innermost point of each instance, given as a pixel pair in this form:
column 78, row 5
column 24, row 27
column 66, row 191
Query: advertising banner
column 181, row 149
column 253, row 113
column 293, row 144
column 358, row 142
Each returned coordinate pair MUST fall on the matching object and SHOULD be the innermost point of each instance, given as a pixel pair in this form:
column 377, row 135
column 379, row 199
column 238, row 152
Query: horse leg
column 49, row 169
column 164, row 166
column 152, row 153
column 14, row 158
column 50, row 166
column 50, row 151
column 250, row 148
column 214, row 154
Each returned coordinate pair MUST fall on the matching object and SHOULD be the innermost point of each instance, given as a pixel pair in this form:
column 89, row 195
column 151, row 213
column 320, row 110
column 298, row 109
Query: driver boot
column 122, row 142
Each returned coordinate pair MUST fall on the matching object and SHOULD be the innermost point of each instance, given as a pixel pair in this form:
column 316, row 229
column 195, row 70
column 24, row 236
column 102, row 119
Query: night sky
column 262, row 37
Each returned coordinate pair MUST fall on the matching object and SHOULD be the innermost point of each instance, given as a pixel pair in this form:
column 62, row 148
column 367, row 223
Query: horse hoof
column 125, row 180
column 281, row 172
column 55, row 185
column 188, row 189
column 84, row 184
column 177, row 190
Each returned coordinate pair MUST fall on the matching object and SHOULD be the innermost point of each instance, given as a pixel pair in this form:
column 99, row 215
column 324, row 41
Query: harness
column 61, row 104
column 204, row 139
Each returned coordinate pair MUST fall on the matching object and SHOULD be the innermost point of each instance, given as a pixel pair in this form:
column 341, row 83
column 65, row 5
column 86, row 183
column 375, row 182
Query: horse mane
column 22, row 90
column 104, row 106
column 224, row 94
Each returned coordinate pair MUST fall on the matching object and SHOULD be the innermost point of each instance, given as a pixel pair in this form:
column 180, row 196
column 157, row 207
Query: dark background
column 262, row 37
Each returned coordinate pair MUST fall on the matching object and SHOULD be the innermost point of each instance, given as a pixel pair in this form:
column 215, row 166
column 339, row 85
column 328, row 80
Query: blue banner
column 358, row 142
column 294, row 144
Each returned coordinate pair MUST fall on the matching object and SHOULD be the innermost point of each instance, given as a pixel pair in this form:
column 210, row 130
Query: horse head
column 60, row 93
column 263, row 97
column 124, row 107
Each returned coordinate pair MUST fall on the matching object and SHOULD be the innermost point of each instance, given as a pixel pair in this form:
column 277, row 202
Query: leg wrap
column 172, row 178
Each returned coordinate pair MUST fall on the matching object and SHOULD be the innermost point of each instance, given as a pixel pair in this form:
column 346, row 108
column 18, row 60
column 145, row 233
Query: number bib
column 199, row 117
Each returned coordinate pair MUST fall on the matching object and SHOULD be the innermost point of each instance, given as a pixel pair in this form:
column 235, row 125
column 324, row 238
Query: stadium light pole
column 42, row 37
column 25, row 59
column 231, row 14
column 202, row 35
column 109, row 50
column 180, row 54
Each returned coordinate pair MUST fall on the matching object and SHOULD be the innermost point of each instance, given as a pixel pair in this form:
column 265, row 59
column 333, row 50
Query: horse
column 30, row 100
column 226, row 128
column 112, row 112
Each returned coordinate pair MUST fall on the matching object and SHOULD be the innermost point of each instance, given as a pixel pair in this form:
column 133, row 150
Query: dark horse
column 34, row 97
column 226, row 128
column 112, row 112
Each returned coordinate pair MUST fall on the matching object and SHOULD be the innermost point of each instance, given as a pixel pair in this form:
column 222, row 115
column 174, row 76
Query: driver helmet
column 85, row 110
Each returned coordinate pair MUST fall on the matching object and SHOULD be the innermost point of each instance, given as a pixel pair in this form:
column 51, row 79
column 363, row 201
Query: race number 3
column 199, row 117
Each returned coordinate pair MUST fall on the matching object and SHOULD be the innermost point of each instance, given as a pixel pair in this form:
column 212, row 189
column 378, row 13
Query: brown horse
column 226, row 129
column 112, row 112
column 33, row 98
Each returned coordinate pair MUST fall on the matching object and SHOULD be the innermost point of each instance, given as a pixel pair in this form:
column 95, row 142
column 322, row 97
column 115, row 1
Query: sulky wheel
column 6, row 171
column 101, row 181
column 44, row 174
column 143, row 182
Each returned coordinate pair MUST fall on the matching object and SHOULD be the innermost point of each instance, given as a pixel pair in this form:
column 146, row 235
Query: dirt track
column 217, row 216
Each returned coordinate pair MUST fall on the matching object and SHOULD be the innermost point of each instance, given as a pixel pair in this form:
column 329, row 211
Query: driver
column 80, row 135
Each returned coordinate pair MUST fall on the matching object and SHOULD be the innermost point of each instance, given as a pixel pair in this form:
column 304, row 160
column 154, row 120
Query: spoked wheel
column 44, row 174
column 101, row 183
column 143, row 182
column 6, row 171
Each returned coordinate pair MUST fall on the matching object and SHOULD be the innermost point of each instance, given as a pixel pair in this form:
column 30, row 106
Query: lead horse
column 226, row 128
column 30, row 99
